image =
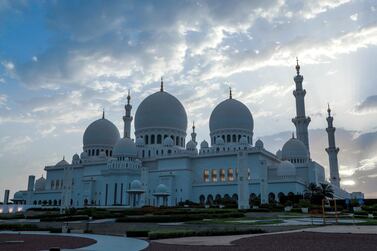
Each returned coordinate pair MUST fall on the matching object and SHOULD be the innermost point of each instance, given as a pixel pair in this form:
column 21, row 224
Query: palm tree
column 325, row 191
column 311, row 190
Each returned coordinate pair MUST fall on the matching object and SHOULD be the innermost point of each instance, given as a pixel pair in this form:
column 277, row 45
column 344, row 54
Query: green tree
column 311, row 190
column 325, row 191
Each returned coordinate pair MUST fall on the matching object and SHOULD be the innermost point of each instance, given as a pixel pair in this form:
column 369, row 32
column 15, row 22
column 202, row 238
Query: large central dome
column 231, row 120
column 231, row 114
column 161, row 110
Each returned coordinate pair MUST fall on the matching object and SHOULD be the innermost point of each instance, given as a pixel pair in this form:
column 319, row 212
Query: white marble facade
column 159, row 167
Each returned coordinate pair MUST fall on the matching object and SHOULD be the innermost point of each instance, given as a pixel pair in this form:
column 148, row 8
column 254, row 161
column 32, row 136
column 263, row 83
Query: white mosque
column 160, row 168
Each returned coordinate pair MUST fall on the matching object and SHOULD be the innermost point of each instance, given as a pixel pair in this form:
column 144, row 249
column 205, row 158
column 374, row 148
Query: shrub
column 65, row 218
column 137, row 233
column 304, row 203
column 296, row 210
column 185, row 233
column 178, row 217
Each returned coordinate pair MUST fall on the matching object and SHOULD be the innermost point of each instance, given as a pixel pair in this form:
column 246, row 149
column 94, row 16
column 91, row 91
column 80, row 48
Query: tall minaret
column 300, row 121
column 127, row 118
column 332, row 151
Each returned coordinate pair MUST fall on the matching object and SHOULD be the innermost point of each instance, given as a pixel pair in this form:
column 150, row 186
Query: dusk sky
column 62, row 62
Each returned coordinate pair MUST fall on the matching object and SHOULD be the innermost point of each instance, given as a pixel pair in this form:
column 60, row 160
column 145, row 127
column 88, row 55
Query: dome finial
column 230, row 92
column 193, row 126
column 297, row 66
column 103, row 113
column 328, row 109
column 128, row 97
column 162, row 84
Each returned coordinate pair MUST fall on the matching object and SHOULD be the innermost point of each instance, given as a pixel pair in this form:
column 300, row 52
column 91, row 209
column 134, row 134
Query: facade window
column 248, row 174
column 206, row 176
column 107, row 152
column 177, row 141
column 222, row 175
column 57, row 184
column 146, row 139
column 230, row 174
column 52, row 184
column 214, row 175
column 227, row 138
column 234, row 139
column 159, row 139
column 236, row 173
column 153, row 139
column 97, row 152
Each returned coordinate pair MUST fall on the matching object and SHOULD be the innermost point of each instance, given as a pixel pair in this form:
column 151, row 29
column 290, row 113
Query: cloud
column 3, row 99
column 369, row 105
column 354, row 17
column 14, row 145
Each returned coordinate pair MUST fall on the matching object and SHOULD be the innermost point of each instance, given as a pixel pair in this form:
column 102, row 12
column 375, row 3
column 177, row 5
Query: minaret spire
column 332, row 150
column 103, row 113
column 301, row 121
column 128, row 97
column 193, row 134
column 162, row 85
column 297, row 67
column 127, row 118
column 230, row 92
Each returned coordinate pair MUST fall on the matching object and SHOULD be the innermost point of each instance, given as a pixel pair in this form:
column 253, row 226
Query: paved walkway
column 228, row 239
column 104, row 242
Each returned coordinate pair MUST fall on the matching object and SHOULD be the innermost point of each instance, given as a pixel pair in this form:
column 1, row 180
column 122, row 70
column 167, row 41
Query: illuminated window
column 230, row 174
column 206, row 176
column 222, row 175
column 214, row 175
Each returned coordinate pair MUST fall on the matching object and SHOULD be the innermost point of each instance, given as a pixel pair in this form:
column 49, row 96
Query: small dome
column 294, row 148
column 140, row 142
column 101, row 132
column 125, row 147
column 243, row 140
column 168, row 142
column 40, row 184
column 18, row 195
column 84, row 155
column 204, row 144
column 161, row 189
column 75, row 157
column 63, row 162
column 231, row 114
column 219, row 141
column 136, row 185
column 286, row 168
column 161, row 110
column 279, row 154
column 191, row 145
column 259, row 144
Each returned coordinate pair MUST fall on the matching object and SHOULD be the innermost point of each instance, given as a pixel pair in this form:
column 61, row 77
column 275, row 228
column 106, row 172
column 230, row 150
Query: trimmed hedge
column 28, row 227
column 65, row 218
column 178, row 218
column 137, row 233
column 186, row 233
